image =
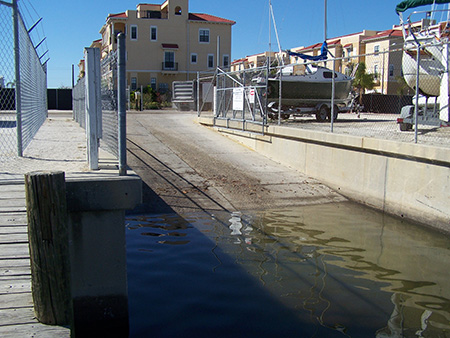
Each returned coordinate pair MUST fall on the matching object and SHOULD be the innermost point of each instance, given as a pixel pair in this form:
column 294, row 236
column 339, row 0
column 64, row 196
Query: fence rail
column 371, row 111
column 23, row 83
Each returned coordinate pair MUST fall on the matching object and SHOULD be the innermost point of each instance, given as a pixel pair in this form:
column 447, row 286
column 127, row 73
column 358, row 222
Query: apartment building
column 166, row 43
column 384, row 60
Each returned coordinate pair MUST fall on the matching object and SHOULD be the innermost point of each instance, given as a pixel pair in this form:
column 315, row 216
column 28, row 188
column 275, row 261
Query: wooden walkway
column 16, row 306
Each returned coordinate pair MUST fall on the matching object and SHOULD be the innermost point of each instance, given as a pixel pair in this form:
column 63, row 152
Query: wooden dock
column 16, row 306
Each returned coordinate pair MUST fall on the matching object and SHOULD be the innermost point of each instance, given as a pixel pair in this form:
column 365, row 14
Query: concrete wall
column 404, row 179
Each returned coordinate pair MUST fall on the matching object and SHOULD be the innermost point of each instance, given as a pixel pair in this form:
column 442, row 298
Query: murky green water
column 337, row 270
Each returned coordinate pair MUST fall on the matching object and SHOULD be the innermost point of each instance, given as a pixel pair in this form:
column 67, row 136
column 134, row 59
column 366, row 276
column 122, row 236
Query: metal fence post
column 93, row 104
column 18, row 84
column 443, row 98
column 333, row 94
column 416, row 110
column 121, row 92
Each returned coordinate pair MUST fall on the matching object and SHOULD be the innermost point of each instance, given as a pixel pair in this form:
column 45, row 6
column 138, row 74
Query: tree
column 363, row 80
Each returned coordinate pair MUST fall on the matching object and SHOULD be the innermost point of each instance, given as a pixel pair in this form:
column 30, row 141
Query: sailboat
column 430, row 40
column 308, row 85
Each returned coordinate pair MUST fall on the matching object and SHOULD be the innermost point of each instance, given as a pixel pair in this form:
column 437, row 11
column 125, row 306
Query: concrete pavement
column 192, row 167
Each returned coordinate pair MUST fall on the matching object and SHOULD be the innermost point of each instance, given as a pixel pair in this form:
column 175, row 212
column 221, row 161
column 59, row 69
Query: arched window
column 178, row 10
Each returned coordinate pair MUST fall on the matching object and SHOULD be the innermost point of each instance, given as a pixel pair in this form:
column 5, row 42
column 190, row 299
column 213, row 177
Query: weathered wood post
column 49, row 246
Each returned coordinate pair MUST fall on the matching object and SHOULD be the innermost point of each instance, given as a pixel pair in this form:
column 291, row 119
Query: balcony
column 151, row 14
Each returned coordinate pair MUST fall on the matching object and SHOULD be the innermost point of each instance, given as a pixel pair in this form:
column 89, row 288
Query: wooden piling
column 49, row 246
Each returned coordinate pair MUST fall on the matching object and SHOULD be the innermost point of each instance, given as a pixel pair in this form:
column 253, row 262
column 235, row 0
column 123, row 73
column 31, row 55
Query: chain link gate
column 234, row 96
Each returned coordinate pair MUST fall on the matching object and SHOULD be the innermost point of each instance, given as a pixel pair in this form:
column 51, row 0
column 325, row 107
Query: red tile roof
column 239, row 60
column 208, row 18
column 319, row 45
column 387, row 33
column 122, row 15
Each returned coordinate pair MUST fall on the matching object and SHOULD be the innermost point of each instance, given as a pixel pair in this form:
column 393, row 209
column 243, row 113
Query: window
column 349, row 51
column 210, row 60
column 329, row 75
column 375, row 72
column 391, row 70
column 226, row 61
column 203, row 35
column 133, row 83
column 169, row 60
column 153, row 83
column 134, row 32
column 178, row 10
column 193, row 58
column 376, row 49
column 153, row 33
column 163, row 87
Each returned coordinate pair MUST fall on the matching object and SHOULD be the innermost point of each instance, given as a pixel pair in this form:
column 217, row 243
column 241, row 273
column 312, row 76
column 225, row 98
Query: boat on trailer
column 307, row 88
column 310, row 87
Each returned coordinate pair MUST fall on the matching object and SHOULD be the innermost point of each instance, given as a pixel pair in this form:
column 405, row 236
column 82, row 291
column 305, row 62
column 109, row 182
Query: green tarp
column 404, row 5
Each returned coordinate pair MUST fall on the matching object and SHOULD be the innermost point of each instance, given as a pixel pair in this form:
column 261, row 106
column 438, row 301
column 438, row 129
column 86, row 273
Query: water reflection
column 170, row 226
column 344, row 259
column 339, row 267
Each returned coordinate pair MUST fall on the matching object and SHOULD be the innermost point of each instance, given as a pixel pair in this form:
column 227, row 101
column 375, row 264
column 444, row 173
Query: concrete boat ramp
column 192, row 167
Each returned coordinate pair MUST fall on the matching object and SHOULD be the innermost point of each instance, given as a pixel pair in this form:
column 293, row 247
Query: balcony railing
column 148, row 14
column 170, row 65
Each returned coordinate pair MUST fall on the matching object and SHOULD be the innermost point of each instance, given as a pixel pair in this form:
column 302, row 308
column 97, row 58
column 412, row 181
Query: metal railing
column 23, row 83
column 375, row 110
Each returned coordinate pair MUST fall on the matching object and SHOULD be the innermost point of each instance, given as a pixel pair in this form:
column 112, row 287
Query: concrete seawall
column 403, row 179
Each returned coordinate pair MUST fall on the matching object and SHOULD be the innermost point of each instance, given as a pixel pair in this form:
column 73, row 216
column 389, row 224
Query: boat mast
column 325, row 30
column 270, row 33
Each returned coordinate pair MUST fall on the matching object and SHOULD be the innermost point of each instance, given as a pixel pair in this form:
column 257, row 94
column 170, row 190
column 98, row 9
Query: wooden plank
column 18, row 315
column 8, row 263
column 35, row 330
column 14, row 251
column 16, row 271
column 8, row 188
column 12, row 238
column 15, row 285
column 13, row 218
column 13, row 229
column 9, row 209
column 15, row 300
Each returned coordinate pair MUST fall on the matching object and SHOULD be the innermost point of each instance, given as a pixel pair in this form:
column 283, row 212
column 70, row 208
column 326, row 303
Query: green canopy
column 404, row 5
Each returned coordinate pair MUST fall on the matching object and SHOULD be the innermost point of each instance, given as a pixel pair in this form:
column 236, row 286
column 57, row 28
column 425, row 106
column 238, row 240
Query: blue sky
column 72, row 25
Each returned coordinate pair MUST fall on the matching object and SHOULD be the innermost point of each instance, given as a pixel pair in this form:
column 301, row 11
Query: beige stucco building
column 384, row 60
column 166, row 43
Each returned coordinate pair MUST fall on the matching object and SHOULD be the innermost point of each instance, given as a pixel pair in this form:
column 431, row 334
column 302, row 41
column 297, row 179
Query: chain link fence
column 382, row 90
column 8, row 132
column 23, row 84
column 79, row 102
column 109, row 134
column 109, row 140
